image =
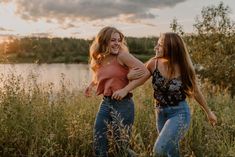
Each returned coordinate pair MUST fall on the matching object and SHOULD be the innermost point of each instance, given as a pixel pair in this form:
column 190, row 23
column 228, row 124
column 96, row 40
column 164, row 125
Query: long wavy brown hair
column 174, row 49
column 100, row 46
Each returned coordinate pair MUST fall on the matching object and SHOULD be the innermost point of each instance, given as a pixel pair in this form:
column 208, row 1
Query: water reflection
column 76, row 76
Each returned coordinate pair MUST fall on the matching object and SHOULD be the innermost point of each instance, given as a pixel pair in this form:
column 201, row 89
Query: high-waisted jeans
column 172, row 124
column 114, row 115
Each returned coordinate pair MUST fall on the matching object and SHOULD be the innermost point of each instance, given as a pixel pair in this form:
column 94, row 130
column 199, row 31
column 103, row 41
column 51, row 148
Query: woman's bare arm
column 131, row 62
column 92, row 84
column 202, row 102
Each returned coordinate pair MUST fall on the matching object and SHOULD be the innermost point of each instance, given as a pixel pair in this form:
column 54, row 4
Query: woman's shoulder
column 123, row 53
column 151, row 63
column 123, row 57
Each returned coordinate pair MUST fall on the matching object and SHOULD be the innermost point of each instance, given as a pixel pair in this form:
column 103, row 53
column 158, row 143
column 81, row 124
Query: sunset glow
column 83, row 19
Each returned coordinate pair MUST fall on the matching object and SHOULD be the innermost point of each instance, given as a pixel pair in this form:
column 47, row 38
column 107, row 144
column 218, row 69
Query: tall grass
column 39, row 121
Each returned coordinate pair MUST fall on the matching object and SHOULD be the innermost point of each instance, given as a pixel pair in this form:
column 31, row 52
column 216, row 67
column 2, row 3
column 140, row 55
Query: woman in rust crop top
column 173, row 79
column 110, row 63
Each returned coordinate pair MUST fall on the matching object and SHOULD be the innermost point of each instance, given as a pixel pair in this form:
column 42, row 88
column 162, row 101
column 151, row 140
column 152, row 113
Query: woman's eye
column 114, row 40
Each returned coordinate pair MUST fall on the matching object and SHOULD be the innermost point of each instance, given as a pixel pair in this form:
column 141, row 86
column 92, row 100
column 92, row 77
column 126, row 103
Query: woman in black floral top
column 173, row 79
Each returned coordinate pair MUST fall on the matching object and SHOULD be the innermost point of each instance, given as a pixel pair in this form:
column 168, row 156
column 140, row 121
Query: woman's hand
column 212, row 118
column 88, row 90
column 119, row 94
column 201, row 100
column 135, row 73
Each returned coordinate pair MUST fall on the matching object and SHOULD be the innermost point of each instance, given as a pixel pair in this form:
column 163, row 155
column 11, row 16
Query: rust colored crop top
column 111, row 77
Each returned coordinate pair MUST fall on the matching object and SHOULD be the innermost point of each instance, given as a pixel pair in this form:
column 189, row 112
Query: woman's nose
column 116, row 42
column 155, row 47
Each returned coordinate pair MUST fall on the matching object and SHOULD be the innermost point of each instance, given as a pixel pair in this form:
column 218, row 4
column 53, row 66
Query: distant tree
column 215, row 19
column 176, row 27
column 142, row 46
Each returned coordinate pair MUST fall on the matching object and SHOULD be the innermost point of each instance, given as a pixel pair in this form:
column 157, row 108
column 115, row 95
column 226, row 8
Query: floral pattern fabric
column 167, row 91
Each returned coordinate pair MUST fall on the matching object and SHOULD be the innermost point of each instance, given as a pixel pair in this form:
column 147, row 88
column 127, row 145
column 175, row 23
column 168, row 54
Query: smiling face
column 115, row 43
column 159, row 47
column 108, row 41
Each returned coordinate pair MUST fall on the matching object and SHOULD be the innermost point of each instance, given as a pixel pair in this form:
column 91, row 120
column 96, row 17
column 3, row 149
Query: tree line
column 63, row 50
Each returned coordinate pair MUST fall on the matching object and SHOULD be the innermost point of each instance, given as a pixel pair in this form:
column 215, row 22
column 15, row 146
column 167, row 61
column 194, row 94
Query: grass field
column 37, row 121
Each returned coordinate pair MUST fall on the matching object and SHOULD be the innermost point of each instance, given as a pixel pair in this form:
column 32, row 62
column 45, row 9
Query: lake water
column 76, row 76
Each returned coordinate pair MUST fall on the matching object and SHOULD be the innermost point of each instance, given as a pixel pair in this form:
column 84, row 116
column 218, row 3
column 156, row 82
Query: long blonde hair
column 100, row 46
column 174, row 49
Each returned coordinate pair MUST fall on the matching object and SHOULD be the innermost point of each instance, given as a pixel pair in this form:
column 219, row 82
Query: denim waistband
column 158, row 104
column 128, row 96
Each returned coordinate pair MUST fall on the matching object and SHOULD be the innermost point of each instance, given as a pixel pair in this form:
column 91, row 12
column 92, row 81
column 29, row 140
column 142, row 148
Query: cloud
column 5, row 29
column 5, row 1
column 89, row 10
column 41, row 34
column 150, row 24
column 98, row 24
column 76, row 33
column 5, row 35
column 68, row 25
column 8, row 36
column 135, row 18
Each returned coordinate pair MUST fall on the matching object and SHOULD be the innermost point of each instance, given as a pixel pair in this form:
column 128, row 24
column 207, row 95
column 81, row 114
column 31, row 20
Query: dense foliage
column 213, row 48
column 44, row 50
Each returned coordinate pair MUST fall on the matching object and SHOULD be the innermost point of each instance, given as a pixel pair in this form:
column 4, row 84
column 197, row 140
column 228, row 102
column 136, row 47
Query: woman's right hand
column 212, row 118
column 87, row 91
column 135, row 73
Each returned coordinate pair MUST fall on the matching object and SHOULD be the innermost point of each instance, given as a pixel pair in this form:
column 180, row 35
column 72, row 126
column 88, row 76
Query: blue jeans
column 112, row 117
column 172, row 124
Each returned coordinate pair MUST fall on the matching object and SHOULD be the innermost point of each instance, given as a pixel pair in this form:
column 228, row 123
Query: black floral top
column 167, row 92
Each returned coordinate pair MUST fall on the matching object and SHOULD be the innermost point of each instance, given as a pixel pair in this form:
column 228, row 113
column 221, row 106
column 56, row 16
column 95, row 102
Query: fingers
column 135, row 73
column 117, row 96
column 212, row 118
column 87, row 92
column 140, row 74
column 136, row 68
column 213, row 123
column 114, row 96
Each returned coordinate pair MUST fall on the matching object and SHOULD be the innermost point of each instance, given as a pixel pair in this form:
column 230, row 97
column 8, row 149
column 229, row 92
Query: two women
column 173, row 80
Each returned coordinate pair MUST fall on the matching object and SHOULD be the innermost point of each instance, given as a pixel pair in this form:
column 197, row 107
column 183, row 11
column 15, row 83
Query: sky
column 84, row 18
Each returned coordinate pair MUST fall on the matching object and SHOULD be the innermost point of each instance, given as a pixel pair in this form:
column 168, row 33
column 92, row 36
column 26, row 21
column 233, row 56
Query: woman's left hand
column 119, row 94
column 135, row 73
